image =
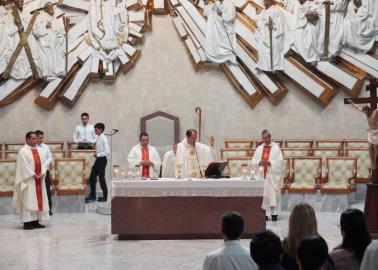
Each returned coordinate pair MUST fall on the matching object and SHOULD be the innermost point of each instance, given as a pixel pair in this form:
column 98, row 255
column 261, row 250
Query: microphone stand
column 199, row 167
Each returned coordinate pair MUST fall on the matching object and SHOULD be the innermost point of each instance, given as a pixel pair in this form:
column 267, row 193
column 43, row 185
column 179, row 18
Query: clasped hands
column 146, row 163
column 264, row 163
column 39, row 176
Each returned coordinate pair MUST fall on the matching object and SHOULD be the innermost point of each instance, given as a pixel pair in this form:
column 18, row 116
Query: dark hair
column 266, row 248
column 38, row 132
column 189, row 132
column 29, row 134
column 143, row 134
column 100, row 126
column 356, row 235
column 312, row 252
column 232, row 225
column 264, row 131
column 84, row 114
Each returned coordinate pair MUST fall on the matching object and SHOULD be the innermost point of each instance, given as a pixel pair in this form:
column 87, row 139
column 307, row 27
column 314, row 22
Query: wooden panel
column 77, row 5
column 178, row 23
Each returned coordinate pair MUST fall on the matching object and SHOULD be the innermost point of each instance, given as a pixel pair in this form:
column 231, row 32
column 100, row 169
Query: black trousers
column 98, row 169
column 48, row 188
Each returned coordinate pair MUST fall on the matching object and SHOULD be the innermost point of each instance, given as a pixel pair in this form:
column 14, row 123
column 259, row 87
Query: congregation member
column 29, row 194
column 192, row 157
column 266, row 250
column 356, row 238
column 370, row 260
column 168, row 165
column 84, row 134
column 47, row 158
column 232, row 256
column 99, row 167
column 268, row 158
column 302, row 224
column 145, row 156
column 312, row 253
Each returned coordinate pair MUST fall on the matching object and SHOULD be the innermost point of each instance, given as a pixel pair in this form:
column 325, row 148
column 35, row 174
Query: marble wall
column 164, row 79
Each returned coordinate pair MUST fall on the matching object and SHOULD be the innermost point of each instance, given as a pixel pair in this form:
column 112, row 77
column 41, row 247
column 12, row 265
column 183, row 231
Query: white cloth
column 280, row 38
column 373, row 136
column 135, row 157
column 273, row 180
column 232, row 256
column 82, row 133
column 220, row 40
column 358, row 28
column 102, row 146
column 370, row 260
column 189, row 159
column 168, row 165
column 46, row 155
column 292, row 6
column 4, row 17
column 308, row 35
column 24, row 194
column 51, row 45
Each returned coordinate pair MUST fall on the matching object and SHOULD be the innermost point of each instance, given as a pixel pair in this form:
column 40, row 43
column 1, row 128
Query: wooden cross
column 270, row 28
column 327, row 5
column 373, row 99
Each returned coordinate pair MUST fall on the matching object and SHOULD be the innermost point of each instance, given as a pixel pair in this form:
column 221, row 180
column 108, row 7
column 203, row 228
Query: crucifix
column 327, row 4
column 372, row 118
column 270, row 28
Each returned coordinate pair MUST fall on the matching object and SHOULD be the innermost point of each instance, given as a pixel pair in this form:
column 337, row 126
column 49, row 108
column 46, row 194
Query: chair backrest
column 363, row 161
column 326, row 152
column 238, row 143
column 296, row 152
column 237, row 152
column 7, row 176
column 361, row 143
column 328, row 143
column 235, row 165
column 298, row 143
column 87, row 155
column 341, row 169
column 286, row 167
column 306, row 170
column 10, row 154
column 55, row 145
column 71, row 145
column 70, row 175
column 13, row 146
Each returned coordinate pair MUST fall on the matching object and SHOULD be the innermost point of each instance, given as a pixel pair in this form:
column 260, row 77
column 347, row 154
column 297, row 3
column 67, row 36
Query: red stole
column 265, row 157
column 145, row 168
column 38, row 183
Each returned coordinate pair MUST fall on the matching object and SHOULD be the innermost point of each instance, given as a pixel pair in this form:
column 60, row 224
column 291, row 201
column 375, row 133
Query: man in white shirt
column 84, row 134
column 145, row 156
column 232, row 256
column 168, row 166
column 369, row 260
column 99, row 167
column 46, row 158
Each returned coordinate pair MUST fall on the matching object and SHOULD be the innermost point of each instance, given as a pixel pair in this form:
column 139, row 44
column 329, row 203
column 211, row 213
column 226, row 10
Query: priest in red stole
column 29, row 195
column 268, row 159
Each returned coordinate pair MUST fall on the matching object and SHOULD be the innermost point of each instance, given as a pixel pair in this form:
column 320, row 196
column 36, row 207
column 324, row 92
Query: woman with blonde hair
column 302, row 224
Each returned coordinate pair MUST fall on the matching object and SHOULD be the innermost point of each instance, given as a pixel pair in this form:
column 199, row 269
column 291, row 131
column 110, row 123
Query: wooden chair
column 7, row 176
column 89, row 160
column 241, row 143
column 286, row 171
column 363, row 163
column 10, row 154
column 305, row 174
column 55, row 145
column 71, row 145
column 13, row 146
column 324, row 153
column 356, row 143
column 296, row 152
column 340, row 175
column 298, row 143
column 70, row 176
column 234, row 165
column 237, row 152
column 328, row 143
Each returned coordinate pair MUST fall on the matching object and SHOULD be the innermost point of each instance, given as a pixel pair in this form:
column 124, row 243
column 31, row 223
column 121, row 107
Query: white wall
column 163, row 79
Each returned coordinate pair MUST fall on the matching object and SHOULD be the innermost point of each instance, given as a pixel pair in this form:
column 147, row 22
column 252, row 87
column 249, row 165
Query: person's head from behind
column 268, row 3
column 191, row 136
column 312, row 253
column 232, row 226
column 302, row 224
column 84, row 119
column 266, row 249
column 266, row 137
column 40, row 136
column 144, row 139
column 354, row 231
column 31, row 138
column 99, row 128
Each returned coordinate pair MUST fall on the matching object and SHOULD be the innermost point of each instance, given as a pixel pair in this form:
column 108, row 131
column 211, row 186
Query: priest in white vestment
column 220, row 40
column 370, row 259
column 232, row 256
column 308, row 29
column 145, row 157
column 192, row 157
column 358, row 32
column 281, row 39
column 169, row 160
column 268, row 159
column 29, row 195
column 50, row 34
